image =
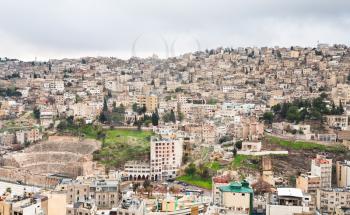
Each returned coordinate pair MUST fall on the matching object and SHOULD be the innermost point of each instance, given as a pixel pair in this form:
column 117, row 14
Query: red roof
column 221, row 179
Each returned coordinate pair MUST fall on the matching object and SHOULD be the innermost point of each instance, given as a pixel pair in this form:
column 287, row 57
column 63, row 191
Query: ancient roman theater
column 45, row 163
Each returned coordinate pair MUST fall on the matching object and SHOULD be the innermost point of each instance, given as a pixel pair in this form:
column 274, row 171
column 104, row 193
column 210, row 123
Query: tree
column 8, row 190
column 225, row 138
column 340, row 108
column 178, row 89
column 105, row 107
column 172, row 116
column 142, row 110
column 147, row 186
column 36, row 112
column 268, row 117
column 103, row 117
column 109, row 94
column 134, row 107
column 191, row 169
column 62, row 126
column 138, row 124
column 117, row 114
column 234, row 151
column 261, row 187
column 155, row 118
column 238, row 144
column 180, row 116
column 276, row 108
column 203, row 171
column 166, row 117
column 135, row 186
column 293, row 114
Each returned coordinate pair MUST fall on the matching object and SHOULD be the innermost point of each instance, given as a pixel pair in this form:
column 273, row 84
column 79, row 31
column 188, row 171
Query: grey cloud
column 53, row 28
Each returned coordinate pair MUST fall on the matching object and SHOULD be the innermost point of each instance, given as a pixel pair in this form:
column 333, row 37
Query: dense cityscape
column 222, row 131
column 186, row 107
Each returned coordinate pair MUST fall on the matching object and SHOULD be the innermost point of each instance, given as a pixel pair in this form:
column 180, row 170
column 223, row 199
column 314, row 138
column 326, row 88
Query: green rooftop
column 237, row 187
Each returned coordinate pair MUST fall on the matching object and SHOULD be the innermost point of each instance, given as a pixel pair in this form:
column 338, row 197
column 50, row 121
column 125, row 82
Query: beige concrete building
column 81, row 208
column 237, row 198
column 251, row 146
column 343, row 173
column 337, row 121
column 5, row 207
column 103, row 192
column 341, row 93
column 57, row 201
column 309, row 184
column 329, row 199
column 151, row 102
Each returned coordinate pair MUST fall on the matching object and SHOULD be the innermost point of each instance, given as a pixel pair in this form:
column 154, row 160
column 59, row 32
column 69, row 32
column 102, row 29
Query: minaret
column 267, row 173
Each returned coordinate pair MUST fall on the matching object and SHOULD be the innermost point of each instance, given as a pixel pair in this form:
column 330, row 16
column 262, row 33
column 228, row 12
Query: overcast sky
column 75, row 28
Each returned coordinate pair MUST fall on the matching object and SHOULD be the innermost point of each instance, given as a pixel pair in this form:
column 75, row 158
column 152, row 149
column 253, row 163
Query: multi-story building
column 322, row 167
column 329, row 199
column 343, row 173
column 287, row 201
column 54, row 85
column 342, row 211
column 103, row 192
column 309, row 184
column 130, row 206
column 21, row 205
column 337, row 121
column 237, row 198
column 218, row 182
column 248, row 130
column 137, row 170
column 341, row 94
column 166, row 157
column 150, row 102
column 81, row 208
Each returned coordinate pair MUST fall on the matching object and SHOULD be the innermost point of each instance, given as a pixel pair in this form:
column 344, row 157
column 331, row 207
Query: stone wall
column 60, row 155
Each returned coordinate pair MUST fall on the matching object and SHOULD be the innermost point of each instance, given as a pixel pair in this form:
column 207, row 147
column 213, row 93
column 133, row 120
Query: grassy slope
column 302, row 145
column 196, row 181
column 244, row 161
column 122, row 145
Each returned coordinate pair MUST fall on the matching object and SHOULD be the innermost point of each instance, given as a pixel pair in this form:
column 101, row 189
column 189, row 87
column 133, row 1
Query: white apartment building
column 137, row 170
column 288, row 201
column 166, row 157
column 54, row 85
